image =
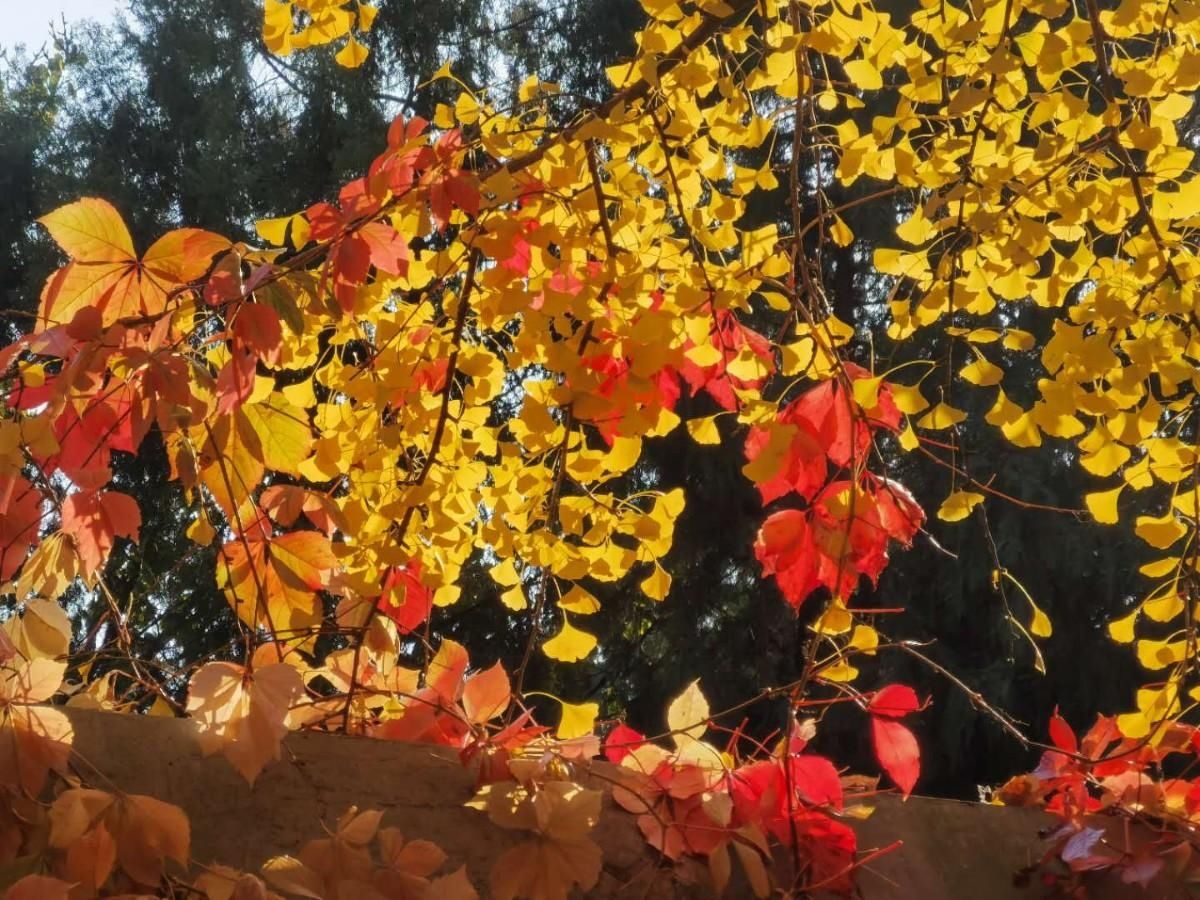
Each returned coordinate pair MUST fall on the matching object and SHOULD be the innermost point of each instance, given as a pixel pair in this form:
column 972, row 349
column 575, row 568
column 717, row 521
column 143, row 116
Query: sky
column 28, row 21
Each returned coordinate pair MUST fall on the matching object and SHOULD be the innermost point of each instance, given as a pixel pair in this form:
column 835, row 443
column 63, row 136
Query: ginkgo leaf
column 941, row 416
column 958, row 506
column 1103, row 505
column 704, row 431
column 353, row 55
column 658, row 584
column 982, row 372
column 1164, row 608
column 835, row 619
column 1156, row 655
column 1122, row 630
column 577, row 720
column 1160, row 531
column 579, row 601
column 1105, row 458
column 570, row 644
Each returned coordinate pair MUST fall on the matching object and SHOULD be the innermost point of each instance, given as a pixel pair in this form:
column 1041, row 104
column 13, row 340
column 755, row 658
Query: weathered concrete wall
column 951, row 850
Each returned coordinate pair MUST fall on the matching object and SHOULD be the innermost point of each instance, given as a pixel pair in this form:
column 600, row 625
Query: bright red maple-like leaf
column 842, row 536
column 804, row 466
column 896, row 747
column 760, row 799
column 356, row 246
column 449, row 184
column 622, row 741
column 730, row 337
column 894, row 701
column 405, row 600
column 826, row 426
column 842, row 427
column 396, row 168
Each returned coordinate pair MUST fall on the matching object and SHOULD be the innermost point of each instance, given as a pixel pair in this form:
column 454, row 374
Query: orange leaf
column 486, row 694
column 104, row 273
column 94, row 519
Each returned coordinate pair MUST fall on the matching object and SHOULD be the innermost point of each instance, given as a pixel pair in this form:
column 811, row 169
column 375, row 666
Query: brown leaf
column 39, row 887
column 289, row 874
column 543, row 869
column 148, row 832
column 90, row 859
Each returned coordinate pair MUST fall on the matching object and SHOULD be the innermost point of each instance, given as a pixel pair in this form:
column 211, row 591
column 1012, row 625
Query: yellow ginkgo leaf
column 570, row 644
column 958, row 506
column 514, row 599
column 201, row 531
column 836, row 619
column 1160, row 654
column 941, row 416
column 1103, row 505
column 839, row 671
column 704, row 431
column 982, row 372
column 1164, row 608
column 1105, row 459
column 1121, row 630
column 353, row 55
column 579, row 601
column 1159, row 531
column 840, row 232
column 865, row 639
column 577, row 720
column 658, row 584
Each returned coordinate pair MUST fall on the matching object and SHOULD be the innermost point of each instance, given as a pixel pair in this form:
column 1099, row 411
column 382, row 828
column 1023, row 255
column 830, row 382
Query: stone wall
column 952, row 850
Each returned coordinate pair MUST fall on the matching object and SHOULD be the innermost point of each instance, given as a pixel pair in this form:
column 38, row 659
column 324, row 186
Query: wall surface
column 952, row 850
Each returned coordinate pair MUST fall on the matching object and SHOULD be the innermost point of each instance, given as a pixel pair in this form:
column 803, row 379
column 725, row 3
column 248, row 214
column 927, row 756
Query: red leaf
column 897, row 751
column 388, row 250
column 803, row 467
column 405, row 600
column 235, row 382
column 1062, row 734
column 94, row 520
column 894, row 701
column 622, row 741
column 786, row 550
column 816, row 780
column 257, row 326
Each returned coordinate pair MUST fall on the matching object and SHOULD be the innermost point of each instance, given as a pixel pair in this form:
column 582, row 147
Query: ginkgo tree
column 460, row 357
